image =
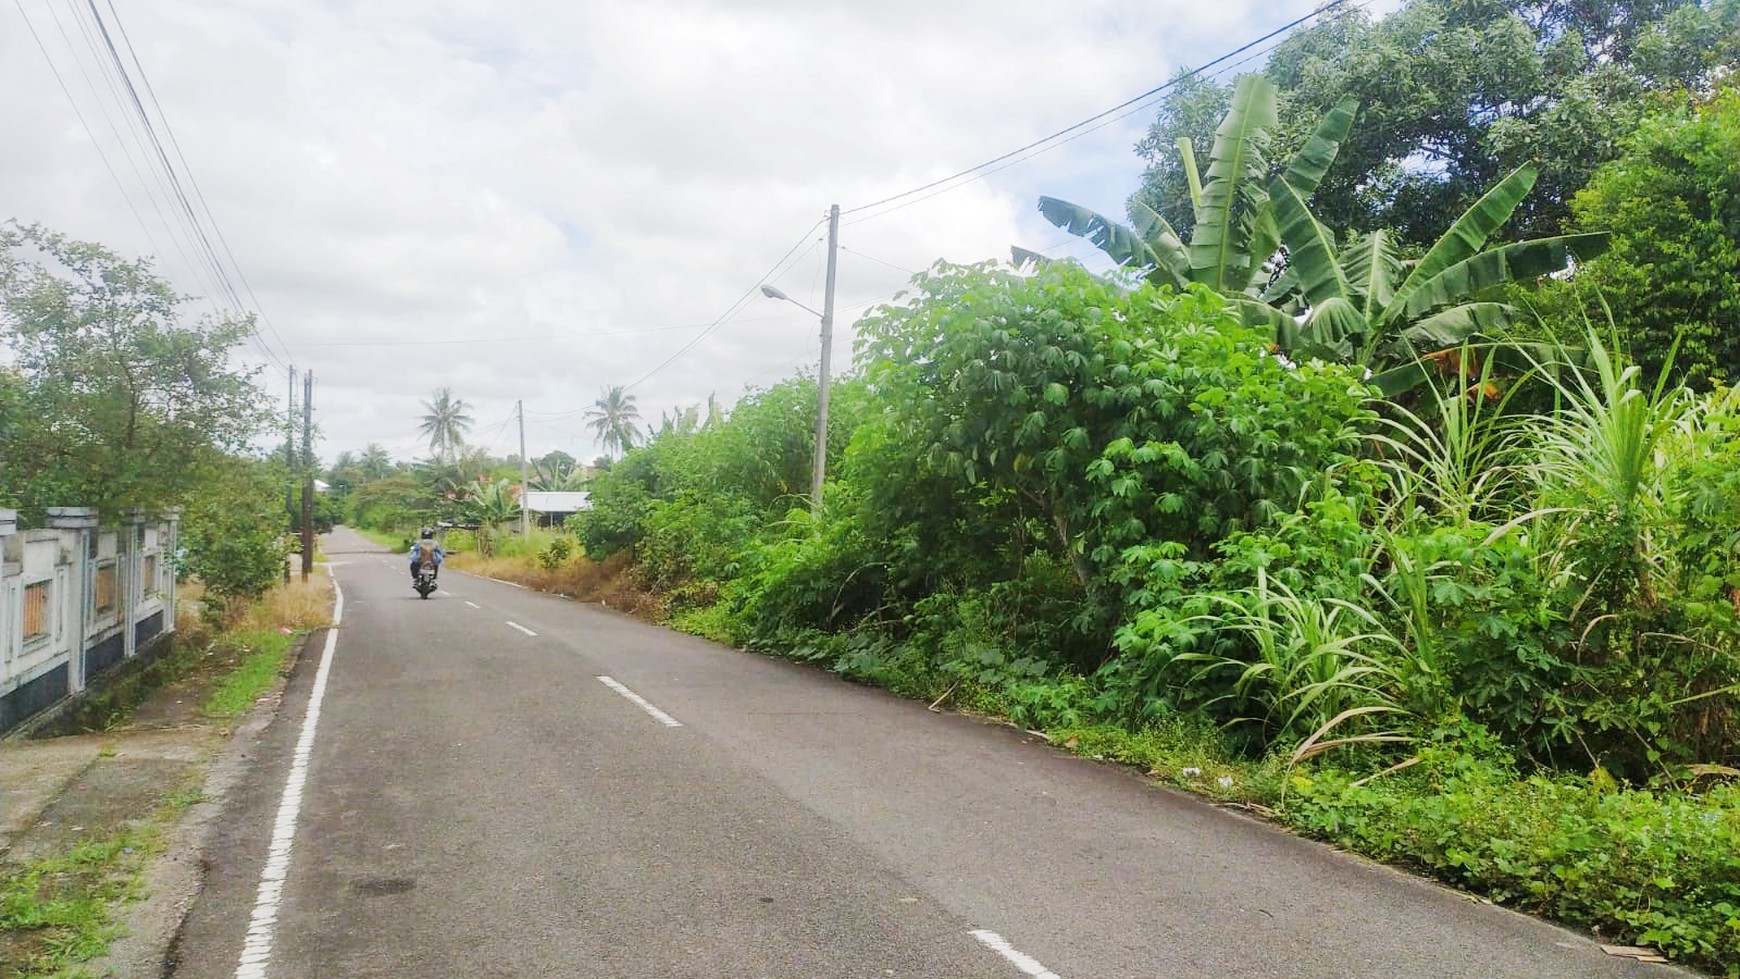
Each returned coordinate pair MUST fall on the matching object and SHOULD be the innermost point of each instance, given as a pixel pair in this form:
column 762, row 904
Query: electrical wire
column 731, row 310
column 878, row 261
column 191, row 179
column 186, row 225
column 1126, row 104
column 525, row 339
column 84, row 123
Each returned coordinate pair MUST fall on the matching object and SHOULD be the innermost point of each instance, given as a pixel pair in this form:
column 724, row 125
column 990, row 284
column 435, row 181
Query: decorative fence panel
column 78, row 600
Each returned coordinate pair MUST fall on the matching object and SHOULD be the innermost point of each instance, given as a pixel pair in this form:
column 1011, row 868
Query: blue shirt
column 417, row 548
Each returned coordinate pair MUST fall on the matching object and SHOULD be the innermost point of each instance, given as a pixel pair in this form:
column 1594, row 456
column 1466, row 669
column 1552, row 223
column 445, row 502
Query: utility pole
column 290, row 458
column 525, row 517
column 821, row 460
column 307, row 474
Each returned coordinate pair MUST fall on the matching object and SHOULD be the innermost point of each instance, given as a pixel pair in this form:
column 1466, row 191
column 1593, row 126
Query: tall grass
column 610, row 582
column 1310, row 660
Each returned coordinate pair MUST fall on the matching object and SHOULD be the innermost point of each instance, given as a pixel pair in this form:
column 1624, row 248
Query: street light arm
column 773, row 292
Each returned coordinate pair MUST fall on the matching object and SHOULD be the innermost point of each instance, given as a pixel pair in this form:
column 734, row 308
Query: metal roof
column 541, row 501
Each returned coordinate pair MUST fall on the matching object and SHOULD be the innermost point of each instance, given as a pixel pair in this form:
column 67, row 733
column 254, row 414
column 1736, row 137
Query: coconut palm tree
column 445, row 424
column 375, row 462
column 613, row 418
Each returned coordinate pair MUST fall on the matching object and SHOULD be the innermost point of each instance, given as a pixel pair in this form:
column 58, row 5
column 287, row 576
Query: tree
column 112, row 400
column 375, row 462
column 445, row 424
column 1672, row 202
column 613, row 418
column 1456, row 93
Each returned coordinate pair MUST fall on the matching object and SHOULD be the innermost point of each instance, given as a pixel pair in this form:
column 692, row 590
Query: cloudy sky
column 537, row 199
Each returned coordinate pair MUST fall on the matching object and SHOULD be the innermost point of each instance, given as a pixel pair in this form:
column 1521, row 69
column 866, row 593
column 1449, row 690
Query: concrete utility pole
column 821, row 460
column 307, row 474
column 525, row 517
column 290, row 457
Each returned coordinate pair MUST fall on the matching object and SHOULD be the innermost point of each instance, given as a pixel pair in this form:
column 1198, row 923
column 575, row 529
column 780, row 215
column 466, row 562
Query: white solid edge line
column 1020, row 960
column 522, row 628
column 639, row 701
column 499, row 581
column 257, row 947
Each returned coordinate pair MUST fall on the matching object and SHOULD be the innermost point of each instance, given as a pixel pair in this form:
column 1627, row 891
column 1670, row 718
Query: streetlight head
column 773, row 293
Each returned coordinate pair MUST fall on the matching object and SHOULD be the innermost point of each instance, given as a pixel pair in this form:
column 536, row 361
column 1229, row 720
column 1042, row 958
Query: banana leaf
column 1305, row 171
column 1332, row 329
column 1192, row 176
column 1169, row 250
column 1372, row 267
column 1454, row 326
column 1122, row 244
column 1468, row 235
column 1219, row 246
column 1310, row 247
column 1506, row 263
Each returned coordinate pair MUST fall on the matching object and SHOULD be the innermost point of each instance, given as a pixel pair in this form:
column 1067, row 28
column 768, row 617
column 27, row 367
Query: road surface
column 501, row 783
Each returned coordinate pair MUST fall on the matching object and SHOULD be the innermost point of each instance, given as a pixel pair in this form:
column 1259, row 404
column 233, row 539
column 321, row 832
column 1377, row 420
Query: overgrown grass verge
column 610, row 582
column 264, row 656
column 397, row 543
column 59, row 912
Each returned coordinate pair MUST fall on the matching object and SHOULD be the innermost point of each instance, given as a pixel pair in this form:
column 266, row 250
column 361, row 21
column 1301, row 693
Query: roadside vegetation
column 1390, row 539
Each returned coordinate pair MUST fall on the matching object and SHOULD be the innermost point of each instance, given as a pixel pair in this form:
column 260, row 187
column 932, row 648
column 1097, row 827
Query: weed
column 238, row 691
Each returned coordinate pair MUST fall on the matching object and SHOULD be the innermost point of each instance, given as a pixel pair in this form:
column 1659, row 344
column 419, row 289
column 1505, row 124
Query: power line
column 878, row 261
column 120, row 83
column 525, row 339
column 79, row 114
column 194, row 182
column 731, row 310
column 970, row 171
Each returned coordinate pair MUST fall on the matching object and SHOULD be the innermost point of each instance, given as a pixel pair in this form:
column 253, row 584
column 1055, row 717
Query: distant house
column 551, row 508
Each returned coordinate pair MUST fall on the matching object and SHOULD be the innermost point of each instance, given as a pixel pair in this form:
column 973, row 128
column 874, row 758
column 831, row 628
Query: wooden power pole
column 525, row 515
column 307, row 474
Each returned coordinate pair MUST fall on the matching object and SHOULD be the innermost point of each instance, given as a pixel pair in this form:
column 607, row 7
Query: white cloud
column 549, row 177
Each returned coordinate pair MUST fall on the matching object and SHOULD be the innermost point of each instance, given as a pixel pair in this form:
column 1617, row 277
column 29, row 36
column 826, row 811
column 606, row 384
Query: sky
column 534, row 200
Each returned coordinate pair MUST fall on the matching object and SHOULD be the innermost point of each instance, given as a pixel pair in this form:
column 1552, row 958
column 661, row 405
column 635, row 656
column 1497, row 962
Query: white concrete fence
column 78, row 600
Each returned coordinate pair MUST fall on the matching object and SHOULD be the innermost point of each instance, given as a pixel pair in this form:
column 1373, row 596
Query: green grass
column 238, row 691
column 393, row 542
column 63, row 910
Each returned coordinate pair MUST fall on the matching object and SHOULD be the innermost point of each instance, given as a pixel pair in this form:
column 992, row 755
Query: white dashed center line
column 522, row 628
column 472, row 604
column 639, row 701
column 1020, row 960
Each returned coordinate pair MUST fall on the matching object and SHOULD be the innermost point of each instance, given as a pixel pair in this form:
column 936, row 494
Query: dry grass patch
column 610, row 582
column 301, row 606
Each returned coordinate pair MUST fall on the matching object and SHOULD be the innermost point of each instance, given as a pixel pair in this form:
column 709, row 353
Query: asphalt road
column 479, row 802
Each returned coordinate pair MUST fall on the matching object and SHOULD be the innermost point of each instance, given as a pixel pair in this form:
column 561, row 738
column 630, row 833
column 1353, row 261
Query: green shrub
column 1654, row 868
column 556, row 553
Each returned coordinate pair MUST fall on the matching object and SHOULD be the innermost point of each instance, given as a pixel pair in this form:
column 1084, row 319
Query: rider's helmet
column 428, row 533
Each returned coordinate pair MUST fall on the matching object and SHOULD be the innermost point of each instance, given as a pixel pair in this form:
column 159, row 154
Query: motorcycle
column 425, row 582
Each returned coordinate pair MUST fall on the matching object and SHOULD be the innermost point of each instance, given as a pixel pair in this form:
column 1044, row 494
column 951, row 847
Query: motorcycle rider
column 426, row 549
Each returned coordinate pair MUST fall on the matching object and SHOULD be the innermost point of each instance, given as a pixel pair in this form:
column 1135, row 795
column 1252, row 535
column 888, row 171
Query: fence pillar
column 10, row 564
column 170, row 546
column 82, row 521
column 132, row 585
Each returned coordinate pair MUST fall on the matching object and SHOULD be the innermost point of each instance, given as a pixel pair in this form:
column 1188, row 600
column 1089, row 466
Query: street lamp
column 827, row 315
column 773, row 292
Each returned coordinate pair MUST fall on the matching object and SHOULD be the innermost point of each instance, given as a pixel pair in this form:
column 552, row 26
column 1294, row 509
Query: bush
column 1653, row 868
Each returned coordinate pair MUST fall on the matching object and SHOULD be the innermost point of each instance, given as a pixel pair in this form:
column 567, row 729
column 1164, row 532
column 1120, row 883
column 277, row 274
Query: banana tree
column 1364, row 305
column 1235, row 233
